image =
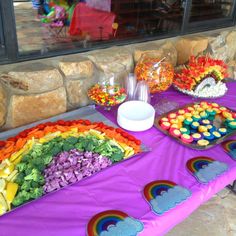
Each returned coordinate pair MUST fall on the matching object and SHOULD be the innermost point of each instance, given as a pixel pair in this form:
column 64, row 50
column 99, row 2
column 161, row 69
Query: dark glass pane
column 2, row 44
column 85, row 24
column 210, row 9
column 147, row 17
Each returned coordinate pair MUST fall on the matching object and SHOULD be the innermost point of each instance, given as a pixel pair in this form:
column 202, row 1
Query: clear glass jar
column 110, row 90
column 157, row 72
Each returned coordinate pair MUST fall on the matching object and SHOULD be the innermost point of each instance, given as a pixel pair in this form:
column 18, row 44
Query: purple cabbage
column 72, row 166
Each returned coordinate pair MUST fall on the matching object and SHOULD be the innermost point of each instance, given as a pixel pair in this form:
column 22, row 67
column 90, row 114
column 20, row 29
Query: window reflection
column 210, row 9
column 147, row 16
column 54, row 25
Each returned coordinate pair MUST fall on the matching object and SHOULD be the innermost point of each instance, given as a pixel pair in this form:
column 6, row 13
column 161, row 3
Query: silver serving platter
column 194, row 145
column 88, row 113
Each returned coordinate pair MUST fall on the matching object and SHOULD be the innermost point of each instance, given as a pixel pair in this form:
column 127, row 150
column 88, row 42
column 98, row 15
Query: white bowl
column 135, row 116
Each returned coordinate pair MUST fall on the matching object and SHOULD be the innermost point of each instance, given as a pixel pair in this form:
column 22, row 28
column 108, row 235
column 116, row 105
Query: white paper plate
column 135, row 116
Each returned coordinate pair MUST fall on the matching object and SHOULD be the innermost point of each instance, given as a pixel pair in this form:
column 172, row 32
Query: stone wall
column 32, row 91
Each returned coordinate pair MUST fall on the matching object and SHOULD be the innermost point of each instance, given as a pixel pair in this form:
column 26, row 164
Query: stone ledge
column 108, row 58
column 32, row 78
column 77, row 68
column 24, row 109
column 188, row 46
column 166, row 49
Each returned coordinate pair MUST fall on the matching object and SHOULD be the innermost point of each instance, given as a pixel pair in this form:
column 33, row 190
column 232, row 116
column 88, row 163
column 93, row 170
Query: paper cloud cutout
column 169, row 199
column 127, row 227
column 233, row 154
column 211, row 171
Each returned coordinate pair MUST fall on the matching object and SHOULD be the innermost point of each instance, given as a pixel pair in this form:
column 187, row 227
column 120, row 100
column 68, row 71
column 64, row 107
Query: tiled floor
column 34, row 37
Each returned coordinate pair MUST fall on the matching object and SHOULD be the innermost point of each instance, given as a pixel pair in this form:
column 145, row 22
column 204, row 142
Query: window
column 40, row 28
column 44, row 26
column 147, row 17
column 210, row 9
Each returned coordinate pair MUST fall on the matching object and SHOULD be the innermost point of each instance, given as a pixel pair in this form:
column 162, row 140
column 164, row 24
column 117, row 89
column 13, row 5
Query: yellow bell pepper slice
column 3, row 174
column 11, row 190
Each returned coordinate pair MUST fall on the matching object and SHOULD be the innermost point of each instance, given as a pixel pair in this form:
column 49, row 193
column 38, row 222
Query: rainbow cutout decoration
column 113, row 222
column 230, row 148
column 197, row 163
column 163, row 195
column 206, row 169
column 156, row 188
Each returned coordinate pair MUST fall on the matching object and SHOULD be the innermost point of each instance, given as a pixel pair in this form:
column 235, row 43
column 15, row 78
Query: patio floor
column 216, row 217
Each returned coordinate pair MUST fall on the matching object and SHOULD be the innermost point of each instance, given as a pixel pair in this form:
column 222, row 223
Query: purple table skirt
column 120, row 187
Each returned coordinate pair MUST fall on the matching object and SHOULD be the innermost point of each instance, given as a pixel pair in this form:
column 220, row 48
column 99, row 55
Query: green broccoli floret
column 18, row 200
column 79, row 146
column 41, row 180
column 34, row 175
column 36, row 193
column 55, row 150
column 40, row 167
column 36, row 153
column 116, row 157
column 67, row 146
column 21, row 198
column 21, row 166
column 20, row 178
column 47, row 159
column 25, row 158
column 26, row 186
column 34, row 184
column 38, row 163
column 72, row 140
column 29, row 168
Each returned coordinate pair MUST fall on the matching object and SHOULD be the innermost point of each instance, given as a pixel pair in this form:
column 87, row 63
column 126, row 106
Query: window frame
column 9, row 30
column 11, row 53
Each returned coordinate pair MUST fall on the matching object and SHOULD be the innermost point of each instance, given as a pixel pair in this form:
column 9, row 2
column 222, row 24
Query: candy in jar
column 107, row 95
column 157, row 72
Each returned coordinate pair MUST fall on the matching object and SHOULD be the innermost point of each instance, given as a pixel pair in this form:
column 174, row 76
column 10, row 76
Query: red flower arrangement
column 197, row 70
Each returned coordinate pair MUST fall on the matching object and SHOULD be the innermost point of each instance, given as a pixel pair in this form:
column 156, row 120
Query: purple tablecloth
column 120, row 187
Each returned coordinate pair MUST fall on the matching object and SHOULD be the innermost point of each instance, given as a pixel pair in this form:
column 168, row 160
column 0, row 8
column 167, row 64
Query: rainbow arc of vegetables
column 197, row 70
column 13, row 150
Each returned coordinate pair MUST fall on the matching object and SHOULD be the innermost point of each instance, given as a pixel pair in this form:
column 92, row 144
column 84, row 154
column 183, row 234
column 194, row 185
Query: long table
column 68, row 211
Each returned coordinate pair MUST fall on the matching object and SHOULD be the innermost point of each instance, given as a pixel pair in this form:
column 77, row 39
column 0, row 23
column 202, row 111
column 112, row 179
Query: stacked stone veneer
column 32, row 91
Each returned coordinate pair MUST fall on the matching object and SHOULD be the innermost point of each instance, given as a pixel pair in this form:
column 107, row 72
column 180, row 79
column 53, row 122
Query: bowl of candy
column 110, row 90
column 157, row 72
